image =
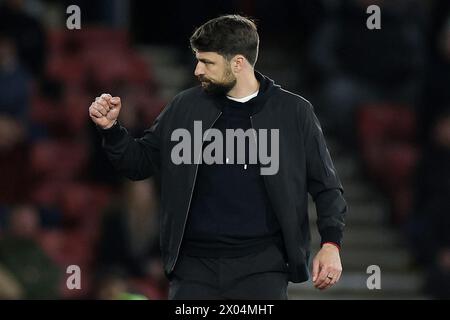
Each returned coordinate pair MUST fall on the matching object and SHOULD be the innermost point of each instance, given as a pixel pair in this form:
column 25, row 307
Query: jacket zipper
column 256, row 142
column 190, row 198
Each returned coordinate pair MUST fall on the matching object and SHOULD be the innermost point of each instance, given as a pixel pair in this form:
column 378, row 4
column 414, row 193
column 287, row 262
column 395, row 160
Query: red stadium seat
column 43, row 111
column 87, row 38
column 70, row 69
column 58, row 160
column 109, row 66
column 386, row 122
column 102, row 37
column 386, row 138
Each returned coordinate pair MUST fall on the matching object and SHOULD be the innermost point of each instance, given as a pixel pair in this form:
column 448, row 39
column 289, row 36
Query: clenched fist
column 105, row 110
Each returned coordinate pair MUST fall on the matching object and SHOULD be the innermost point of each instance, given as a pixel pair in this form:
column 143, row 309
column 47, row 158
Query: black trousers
column 261, row 276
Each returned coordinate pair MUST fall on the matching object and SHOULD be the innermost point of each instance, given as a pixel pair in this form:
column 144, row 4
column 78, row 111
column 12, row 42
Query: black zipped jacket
column 305, row 166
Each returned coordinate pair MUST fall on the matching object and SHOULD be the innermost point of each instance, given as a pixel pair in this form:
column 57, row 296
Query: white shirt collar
column 244, row 99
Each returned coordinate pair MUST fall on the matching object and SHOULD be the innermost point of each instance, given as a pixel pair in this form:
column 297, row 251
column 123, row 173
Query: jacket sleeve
column 322, row 181
column 135, row 158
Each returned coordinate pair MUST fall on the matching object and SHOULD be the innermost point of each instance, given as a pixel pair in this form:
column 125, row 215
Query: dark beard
column 219, row 89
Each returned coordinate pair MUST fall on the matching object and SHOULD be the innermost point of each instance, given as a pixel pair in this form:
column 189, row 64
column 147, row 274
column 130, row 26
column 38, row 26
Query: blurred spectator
column 436, row 94
column 429, row 226
column 29, row 272
column 9, row 286
column 357, row 65
column 113, row 285
column 110, row 285
column 129, row 238
column 27, row 32
column 15, row 93
column 14, row 107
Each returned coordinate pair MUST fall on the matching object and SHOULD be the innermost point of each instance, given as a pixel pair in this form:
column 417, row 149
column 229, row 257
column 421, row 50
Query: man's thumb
column 115, row 100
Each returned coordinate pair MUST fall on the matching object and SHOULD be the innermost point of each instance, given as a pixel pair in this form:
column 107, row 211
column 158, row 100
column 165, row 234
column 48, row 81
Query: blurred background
column 382, row 96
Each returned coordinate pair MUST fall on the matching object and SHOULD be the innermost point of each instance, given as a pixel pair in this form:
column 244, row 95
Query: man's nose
column 198, row 70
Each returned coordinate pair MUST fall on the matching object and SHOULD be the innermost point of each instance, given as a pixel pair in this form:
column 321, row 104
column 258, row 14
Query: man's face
column 214, row 73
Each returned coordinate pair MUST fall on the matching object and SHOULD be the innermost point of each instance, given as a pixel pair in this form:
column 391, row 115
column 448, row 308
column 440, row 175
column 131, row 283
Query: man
column 229, row 229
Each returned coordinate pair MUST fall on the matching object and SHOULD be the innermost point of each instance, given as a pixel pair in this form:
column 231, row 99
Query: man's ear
column 237, row 63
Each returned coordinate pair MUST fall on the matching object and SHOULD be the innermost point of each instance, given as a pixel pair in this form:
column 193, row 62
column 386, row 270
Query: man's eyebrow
column 204, row 60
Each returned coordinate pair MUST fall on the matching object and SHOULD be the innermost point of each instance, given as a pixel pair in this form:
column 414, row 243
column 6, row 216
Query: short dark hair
column 228, row 35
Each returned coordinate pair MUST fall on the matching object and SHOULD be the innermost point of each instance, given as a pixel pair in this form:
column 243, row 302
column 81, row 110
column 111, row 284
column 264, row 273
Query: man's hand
column 327, row 268
column 104, row 111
